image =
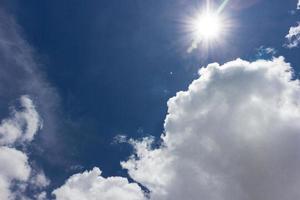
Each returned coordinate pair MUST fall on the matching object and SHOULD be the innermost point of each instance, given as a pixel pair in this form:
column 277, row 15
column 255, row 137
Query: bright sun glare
column 208, row 26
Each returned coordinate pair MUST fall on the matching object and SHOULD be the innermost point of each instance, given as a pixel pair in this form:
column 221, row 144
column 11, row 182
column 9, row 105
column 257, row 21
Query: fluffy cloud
column 13, row 164
column 39, row 180
column 22, row 125
column 234, row 134
column 293, row 37
column 16, row 174
column 298, row 5
column 90, row 185
column 13, row 167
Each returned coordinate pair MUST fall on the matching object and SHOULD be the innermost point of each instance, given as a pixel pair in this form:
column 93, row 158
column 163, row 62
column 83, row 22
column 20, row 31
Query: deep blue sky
column 116, row 63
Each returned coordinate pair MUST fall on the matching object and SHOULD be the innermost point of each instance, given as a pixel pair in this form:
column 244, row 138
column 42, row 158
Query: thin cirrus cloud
column 234, row 134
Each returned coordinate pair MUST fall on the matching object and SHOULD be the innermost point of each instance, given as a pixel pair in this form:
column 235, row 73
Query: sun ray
column 222, row 6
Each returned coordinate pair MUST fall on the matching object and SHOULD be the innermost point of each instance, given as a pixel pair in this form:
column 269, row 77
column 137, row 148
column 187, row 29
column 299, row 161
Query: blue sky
column 98, row 70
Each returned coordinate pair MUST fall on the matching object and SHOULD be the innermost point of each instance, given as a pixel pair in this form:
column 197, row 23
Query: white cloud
column 13, row 164
column 234, row 134
column 13, row 167
column 39, row 180
column 41, row 196
column 22, row 125
column 293, row 37
column 90, row 185
column 16, row 174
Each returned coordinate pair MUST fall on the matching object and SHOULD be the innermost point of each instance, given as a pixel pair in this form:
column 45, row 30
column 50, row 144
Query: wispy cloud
column 266, row 52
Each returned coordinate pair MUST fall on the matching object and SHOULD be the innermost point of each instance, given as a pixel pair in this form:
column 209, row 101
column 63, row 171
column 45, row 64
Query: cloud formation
column 16, row 174
column 234, row 134
column 293, row 37
column 20, row 74
column 90, row 185
column 13, row 167
column 22, row 125
column 298, row 5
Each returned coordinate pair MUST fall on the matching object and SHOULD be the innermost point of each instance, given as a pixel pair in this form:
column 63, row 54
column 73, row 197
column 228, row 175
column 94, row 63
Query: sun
column 207, row 26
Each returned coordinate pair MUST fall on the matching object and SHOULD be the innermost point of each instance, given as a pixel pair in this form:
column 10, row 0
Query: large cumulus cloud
column 234, row 134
